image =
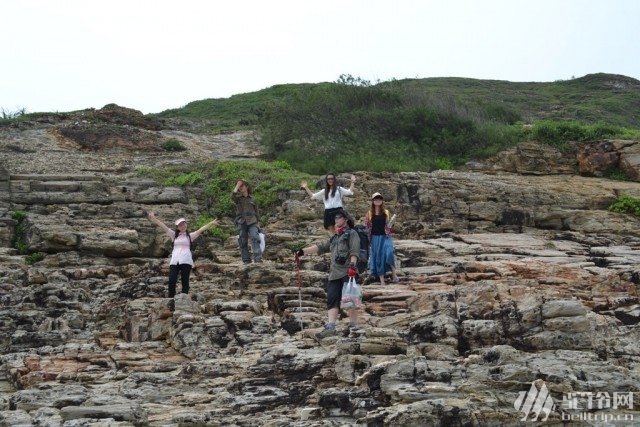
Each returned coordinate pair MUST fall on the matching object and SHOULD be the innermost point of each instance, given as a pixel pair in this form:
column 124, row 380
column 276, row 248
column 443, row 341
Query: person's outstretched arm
column 204, row 228
column 307, row 251
column 305, row 187
column 353, row 182
column 152, row 217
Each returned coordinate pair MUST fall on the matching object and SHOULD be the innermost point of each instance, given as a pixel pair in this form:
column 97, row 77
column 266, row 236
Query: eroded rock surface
column 507, row 280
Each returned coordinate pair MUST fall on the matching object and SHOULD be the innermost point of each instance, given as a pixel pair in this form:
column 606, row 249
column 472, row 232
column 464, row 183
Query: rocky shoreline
column 508, row 280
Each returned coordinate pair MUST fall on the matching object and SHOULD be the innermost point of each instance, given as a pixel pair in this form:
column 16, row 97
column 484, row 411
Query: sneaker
column 396, row 280
column 326, row 332
column 246, row 262
column 353, row 332
column 258, row 260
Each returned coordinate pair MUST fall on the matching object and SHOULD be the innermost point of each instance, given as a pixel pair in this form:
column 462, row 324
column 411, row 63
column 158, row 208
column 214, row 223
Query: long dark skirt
column 382, row 256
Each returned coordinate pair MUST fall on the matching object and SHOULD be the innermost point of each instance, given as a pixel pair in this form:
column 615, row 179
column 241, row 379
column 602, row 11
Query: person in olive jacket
column 345, row 248
column 246, row 220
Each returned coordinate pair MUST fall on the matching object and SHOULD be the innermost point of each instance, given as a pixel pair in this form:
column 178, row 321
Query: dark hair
column 372, row 211
column 247, row 184
column 178, row 233
column 333, row 187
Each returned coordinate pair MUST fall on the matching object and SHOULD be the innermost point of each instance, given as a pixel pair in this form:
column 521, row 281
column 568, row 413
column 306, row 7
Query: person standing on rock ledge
column 246, row 220
column 332, row 198
column 379, row 222
column 181, row 256
column 345, row 249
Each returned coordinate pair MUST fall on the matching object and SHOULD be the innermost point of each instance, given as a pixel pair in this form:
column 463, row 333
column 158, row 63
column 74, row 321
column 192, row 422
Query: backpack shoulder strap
column 188, row 237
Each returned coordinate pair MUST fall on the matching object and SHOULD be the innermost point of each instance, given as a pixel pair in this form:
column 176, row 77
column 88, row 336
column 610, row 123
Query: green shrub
column 626, row 205
column 559, row 133
column 191, row 178
column 172, row 145
column 218, row 178
column 19, row 241
column 34, row 257
column 444, row 164
column 618, row 175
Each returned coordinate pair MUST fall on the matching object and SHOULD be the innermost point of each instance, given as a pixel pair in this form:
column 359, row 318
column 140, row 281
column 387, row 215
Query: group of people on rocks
column 336, row 220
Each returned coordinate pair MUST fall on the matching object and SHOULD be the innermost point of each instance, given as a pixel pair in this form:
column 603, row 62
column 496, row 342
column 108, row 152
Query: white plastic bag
column 263, row 244
column 351, row 294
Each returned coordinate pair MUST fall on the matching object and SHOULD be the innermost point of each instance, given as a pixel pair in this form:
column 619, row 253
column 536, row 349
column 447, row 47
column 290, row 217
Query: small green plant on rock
column 34, row 257
column 619, row 175
column 172, row 145
column 19, row 241
column 627, row 205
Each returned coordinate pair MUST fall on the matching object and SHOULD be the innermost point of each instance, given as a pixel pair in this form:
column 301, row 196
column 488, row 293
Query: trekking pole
column 299, row 292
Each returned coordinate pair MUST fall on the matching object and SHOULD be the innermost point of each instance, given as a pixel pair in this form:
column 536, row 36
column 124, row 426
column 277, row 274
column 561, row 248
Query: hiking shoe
column 349, row 332
column 326, row 332
column 258, row 260
column 353, row 332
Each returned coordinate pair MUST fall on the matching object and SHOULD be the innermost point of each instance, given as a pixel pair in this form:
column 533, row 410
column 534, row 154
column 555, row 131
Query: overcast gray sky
column 155, row 55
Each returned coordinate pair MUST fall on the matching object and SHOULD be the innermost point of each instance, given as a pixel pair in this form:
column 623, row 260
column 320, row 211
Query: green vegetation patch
column 172, row 144
column 627, row 205
column 218, row 178
column 19, row 241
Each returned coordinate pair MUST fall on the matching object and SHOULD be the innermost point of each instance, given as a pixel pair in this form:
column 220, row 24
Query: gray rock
column 507, row 280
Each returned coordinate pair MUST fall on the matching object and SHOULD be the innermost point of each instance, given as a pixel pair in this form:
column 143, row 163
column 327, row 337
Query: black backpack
column 363, row 258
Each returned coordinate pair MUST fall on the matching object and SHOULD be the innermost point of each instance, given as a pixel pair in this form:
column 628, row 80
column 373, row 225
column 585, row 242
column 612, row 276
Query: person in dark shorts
column 344, row 256
column 331, row 195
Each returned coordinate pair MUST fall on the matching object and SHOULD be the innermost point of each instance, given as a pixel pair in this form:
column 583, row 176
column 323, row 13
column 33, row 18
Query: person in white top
column 331, row 195
column 181, row 257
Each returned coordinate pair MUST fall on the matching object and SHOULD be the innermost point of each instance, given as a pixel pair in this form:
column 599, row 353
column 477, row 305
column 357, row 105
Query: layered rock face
column 518, row 298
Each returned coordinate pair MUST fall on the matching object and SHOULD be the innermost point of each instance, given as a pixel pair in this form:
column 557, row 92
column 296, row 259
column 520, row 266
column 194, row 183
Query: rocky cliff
column 518, row 297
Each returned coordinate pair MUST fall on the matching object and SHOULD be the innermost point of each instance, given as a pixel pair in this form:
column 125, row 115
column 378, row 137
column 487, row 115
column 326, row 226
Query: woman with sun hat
column 382, row 258
column 181, row 257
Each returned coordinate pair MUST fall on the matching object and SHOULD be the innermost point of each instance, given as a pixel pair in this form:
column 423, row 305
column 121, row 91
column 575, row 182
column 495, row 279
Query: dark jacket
column 340, row 245
column 246, row 209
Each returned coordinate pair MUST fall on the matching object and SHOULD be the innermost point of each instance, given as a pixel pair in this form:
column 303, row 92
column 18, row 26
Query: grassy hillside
column 420, row 124
column 608, row 98
column 409, row 125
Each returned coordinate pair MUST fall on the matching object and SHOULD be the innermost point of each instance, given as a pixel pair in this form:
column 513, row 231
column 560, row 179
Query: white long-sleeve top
column 336, row 200
column 181, row 253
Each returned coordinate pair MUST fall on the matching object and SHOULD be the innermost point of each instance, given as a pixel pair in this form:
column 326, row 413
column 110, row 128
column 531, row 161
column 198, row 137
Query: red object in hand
column 352, row 272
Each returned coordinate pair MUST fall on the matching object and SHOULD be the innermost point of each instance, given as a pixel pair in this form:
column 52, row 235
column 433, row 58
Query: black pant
column 185, row 271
